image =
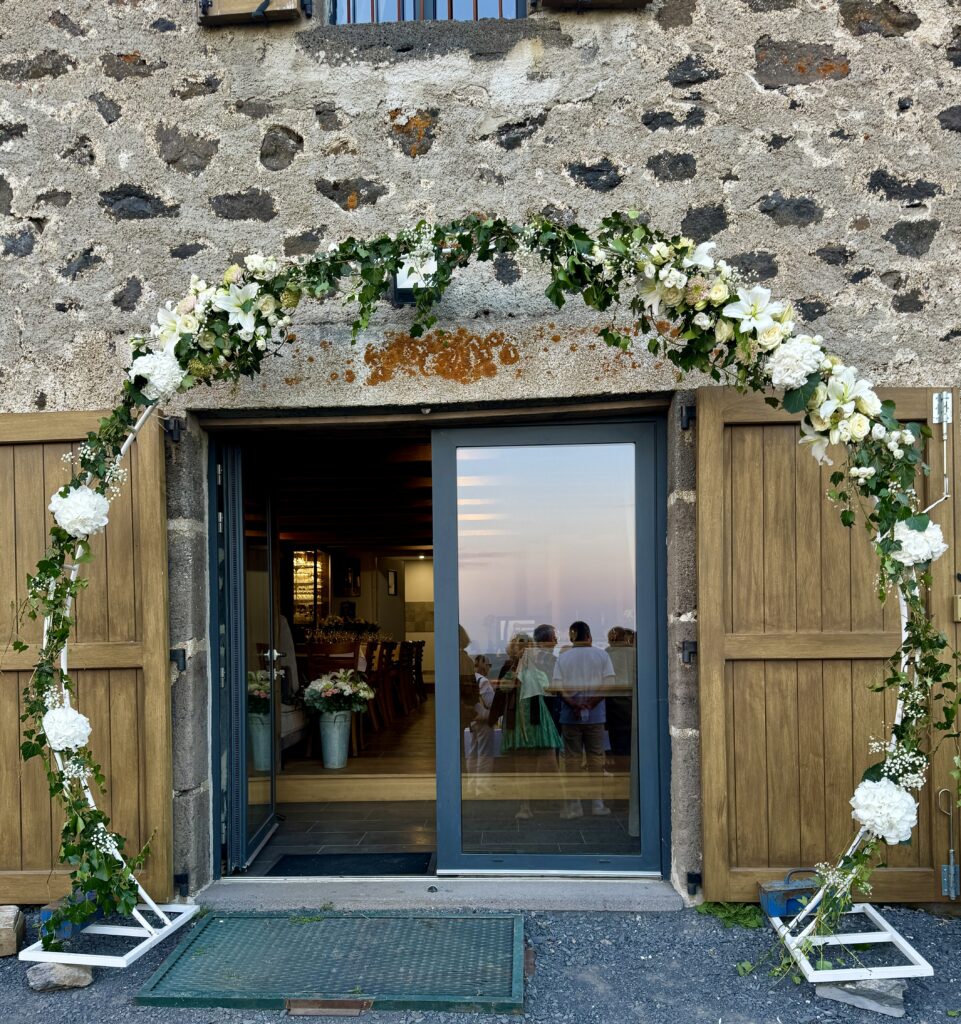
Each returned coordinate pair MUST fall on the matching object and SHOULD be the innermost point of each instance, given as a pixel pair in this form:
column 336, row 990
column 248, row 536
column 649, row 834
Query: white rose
column 869, row 403
column 673, row 278
column 878, row 432
column 702, row 320
column 918, row 546
column 267, row 304
column 885, row 810
column 82, row 511
column 723, row 330
column 65, row 728
column 718, row 293
column 189, row 324
column 770, row 337
column 860, row 426
column 672, row 296
column 792, row 363
column 161, row 371
column 660, row 252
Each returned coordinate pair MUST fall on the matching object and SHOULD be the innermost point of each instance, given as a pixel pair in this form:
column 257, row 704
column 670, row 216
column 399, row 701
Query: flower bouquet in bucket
column 335, row 696
column 258, row 719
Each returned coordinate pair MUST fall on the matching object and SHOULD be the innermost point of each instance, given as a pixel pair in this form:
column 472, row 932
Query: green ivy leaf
column 918, row 522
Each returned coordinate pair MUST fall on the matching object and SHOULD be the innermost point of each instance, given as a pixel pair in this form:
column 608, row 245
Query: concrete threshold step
column 430, row 893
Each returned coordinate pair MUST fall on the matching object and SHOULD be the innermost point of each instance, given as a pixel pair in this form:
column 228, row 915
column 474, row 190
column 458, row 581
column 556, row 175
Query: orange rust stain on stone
column 335, row 375
column 310, row 359
column 414, row 130
column 350, row 376
column 456, row 356
column 292, row 381
column 573, row 347
column 352, row 200
column 555, row 338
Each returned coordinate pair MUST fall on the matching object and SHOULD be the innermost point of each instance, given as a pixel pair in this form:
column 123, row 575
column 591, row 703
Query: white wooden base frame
column 916, row 967
column 174, row 916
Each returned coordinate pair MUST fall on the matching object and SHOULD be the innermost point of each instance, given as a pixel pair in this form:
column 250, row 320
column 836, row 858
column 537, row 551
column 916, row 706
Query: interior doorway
column 327, row 549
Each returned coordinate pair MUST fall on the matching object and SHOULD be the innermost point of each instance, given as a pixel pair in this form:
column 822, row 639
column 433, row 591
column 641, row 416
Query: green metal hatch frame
column 488, row 953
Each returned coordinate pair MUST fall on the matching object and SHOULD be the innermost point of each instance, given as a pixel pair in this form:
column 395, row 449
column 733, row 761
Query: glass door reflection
column 547, row 599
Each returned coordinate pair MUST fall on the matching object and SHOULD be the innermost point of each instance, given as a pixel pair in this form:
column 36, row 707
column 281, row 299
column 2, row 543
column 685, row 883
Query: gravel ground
column 589, row 969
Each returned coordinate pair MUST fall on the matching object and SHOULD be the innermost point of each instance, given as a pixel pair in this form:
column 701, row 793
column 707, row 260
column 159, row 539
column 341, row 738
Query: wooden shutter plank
column 119, row 665
column 750, row 729
column 790, row 671
column 811, row 762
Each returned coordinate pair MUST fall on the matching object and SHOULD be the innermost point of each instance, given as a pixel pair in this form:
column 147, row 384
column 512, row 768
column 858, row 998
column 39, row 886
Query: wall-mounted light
column 409, row 277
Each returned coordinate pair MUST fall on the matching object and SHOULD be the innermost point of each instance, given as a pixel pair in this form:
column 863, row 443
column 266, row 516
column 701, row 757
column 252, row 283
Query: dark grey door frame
column 241, row 850
column 648, row 434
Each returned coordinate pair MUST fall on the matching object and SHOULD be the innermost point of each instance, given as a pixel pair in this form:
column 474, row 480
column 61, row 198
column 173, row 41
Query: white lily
column 233, row 301
column 818, row 443
column 754, row 309
column 652, row 294
column 844, row 391
column 701, row 257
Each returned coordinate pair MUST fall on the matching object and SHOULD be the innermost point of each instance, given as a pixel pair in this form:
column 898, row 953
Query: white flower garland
column 676, row 290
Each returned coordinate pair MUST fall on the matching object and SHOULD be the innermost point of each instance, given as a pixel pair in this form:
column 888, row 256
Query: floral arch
column 666, row 290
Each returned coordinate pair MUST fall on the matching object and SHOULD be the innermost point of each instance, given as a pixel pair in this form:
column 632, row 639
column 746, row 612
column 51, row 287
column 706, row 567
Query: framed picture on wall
column 391, row 582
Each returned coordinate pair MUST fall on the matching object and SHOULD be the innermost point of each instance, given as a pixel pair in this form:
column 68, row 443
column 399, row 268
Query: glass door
column 251, row 681
column 549, row 568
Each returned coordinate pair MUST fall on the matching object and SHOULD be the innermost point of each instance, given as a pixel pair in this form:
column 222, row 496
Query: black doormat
column 345, row 963
column 374, row 863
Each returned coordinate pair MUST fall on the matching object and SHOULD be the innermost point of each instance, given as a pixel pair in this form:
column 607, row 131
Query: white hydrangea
column 82, row 511
column 65, row 728
column 886, row 810
column 161, row 371
column 918, row 546
column 260, row 265
column 792, row 363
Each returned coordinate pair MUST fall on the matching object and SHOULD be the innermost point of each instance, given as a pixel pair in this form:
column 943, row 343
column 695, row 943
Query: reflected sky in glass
column 545, row 533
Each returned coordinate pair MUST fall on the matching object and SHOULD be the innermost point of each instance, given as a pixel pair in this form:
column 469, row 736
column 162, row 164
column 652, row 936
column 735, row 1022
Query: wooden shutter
column 791, row 634
column 119, row 658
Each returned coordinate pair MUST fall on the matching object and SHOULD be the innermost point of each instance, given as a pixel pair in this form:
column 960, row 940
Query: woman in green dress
column 528, row 729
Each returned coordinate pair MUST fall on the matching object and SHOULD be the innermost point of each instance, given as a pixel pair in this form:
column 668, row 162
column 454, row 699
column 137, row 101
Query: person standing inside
column 582, row 674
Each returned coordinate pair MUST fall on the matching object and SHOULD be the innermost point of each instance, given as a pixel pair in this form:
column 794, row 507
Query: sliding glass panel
column 546, row 569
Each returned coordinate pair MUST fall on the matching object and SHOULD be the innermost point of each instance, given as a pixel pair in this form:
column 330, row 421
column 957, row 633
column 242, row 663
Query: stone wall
column 817, row 143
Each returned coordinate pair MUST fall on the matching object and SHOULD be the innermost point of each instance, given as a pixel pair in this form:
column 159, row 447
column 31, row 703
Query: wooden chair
column 420, row 687
column 372, row 714
column 385, row 684
column 406, row 694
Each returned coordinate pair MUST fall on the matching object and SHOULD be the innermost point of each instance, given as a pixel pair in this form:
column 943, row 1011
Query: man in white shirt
column 582, row 674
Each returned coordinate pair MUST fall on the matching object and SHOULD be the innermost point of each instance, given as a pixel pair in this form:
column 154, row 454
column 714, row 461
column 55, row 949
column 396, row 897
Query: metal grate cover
column 397, row 960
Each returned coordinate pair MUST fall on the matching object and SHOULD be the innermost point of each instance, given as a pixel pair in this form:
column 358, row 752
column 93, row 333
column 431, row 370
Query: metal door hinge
column 943, row 411
column 174, row 427
column 220, row 475
column 688, row 415
column 179, row 657
column 688, row 651
column 220, row 522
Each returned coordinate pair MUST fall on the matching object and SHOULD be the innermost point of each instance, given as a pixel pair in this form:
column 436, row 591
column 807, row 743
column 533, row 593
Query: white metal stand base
column 917, row 966
column 175, row 915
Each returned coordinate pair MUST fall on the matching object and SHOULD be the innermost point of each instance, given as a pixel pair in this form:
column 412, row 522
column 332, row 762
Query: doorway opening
column 337, row 569
column 502, row 591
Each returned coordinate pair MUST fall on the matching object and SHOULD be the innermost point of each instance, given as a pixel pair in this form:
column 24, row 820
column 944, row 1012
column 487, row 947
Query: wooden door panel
column 118, row 659
column 792, row 636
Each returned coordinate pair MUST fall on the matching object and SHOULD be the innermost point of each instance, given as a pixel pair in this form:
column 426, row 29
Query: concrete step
column 430, row 893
